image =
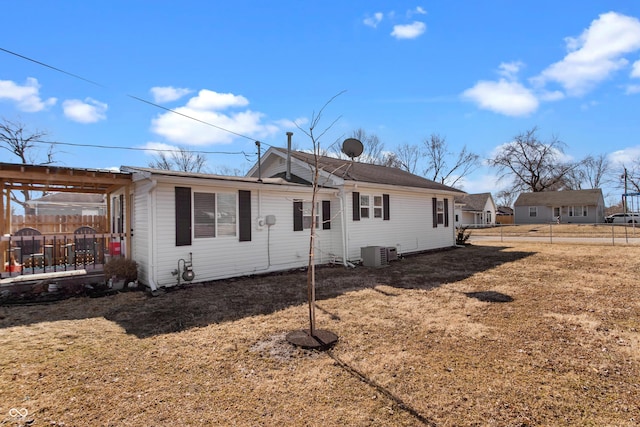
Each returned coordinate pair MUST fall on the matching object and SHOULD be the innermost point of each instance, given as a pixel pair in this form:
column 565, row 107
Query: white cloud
column 208, row 107
column 482, row 183
column 27, row 96
column 373, row 21
column 155, row 148
column 555, row 95
column 210, row 100
column 87, row 111
column 625, row 156
column 504, row 97
column 635, row 71
column 632, row 89
column 596, row 54
column 588, row 105
column 168, row 93
column 409, row 31
column 510, row 70
column 420, row 10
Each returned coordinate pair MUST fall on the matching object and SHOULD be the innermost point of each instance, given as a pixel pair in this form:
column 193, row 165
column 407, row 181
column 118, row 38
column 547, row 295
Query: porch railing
column 44, row 253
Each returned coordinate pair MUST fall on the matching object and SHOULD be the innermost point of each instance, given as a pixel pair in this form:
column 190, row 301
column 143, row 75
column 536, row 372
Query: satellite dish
column 352, row 147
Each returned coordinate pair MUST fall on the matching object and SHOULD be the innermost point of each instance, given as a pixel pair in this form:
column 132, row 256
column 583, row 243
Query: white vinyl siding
column 271, row 248
column 409, row 228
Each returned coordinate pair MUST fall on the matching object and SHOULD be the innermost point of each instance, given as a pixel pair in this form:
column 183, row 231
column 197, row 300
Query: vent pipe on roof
column 288, row 175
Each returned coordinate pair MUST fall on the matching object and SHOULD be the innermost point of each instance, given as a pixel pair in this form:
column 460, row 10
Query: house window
column 214, row 215
column 302, row 215
column 364, row 207
column 556, row 212
column 533, row 211
column 440, row 211
column 306, row 215
column 377, row 206
column 578, row 211
column 226, row 214
column 488, row 217
column 204, row 215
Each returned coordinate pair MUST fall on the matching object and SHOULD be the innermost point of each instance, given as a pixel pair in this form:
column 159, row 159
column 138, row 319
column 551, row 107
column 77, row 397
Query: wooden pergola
column 21, row 177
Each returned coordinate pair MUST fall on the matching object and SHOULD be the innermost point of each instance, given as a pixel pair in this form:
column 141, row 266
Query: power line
column 130, row 96
column 140, row 148
column 50, row 66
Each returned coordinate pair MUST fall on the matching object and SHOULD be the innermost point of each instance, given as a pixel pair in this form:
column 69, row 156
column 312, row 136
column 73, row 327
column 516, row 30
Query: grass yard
column 521, row 334
column 616, row 231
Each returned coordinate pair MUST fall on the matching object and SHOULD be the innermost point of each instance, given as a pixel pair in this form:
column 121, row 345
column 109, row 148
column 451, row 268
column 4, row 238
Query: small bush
column 462, row 235
column 121, row 268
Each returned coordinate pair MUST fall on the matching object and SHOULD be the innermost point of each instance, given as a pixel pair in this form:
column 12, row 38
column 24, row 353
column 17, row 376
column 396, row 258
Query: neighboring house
column 504, row 215
column 69, row 204
column 226, row 226
column 475, row 210
column 567, row 206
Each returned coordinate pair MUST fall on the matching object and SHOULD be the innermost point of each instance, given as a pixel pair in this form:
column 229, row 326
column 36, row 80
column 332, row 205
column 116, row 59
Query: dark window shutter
column 385, row 207
column 297, row 216
column 446, row 212
column 244, row 217
column 183, row 216
column 326, row 215
column 434, row 202
column 356, row 206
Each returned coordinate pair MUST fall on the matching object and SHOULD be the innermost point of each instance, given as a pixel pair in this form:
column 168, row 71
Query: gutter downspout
column 288, row 174
column 345, row 242
column 151, row 235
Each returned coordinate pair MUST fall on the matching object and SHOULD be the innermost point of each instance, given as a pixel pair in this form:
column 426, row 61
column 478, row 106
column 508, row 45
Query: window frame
column 378, row 209
column 582, row 210
column 220, row 229
column 533, row 211
column 306, row 215
column 365, row 208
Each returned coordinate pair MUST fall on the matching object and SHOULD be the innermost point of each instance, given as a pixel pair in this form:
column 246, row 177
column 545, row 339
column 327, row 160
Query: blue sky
column 477, row 73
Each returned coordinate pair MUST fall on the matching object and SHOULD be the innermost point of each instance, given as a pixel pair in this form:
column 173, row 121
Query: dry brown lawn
column 616, row 231
column 508, row 335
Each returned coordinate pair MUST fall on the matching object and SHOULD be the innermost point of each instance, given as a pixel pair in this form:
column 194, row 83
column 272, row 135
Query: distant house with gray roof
column 567, row 206
column 69, row 204
column 475, row 210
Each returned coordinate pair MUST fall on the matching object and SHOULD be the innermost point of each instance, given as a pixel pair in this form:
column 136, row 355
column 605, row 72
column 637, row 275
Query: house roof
column 364, row 172
column 69, row 198
column 560, row 198
column 473, row 202
column 504, row 210
column 245, row 179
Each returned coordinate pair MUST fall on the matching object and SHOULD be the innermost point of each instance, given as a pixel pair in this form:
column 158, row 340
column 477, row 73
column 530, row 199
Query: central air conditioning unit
column 373, row 256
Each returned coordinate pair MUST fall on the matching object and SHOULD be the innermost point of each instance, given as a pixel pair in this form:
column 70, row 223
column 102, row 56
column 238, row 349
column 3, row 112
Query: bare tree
column 443, row 166
column 17, row 139
column 408, row 156
column 314, row 135
column 180, row 159
column 591, row 172
column 228, row 171
column 532, row 165
column 505, row 198
column 627, row 177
